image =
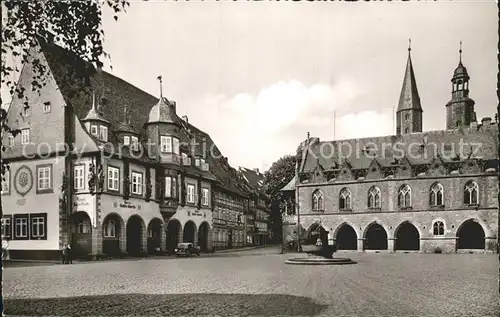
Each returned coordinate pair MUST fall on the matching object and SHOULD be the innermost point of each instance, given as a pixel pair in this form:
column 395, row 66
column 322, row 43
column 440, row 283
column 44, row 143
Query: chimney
column 256, row 170
column 193, row 146
column 174, row 105
column 185, row 118
column 486, row 121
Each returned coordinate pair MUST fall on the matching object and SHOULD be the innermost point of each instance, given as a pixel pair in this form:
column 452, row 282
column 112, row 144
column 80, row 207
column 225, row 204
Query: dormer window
column 103, row 133
column 169, row 144
column 25, row 136
column 93, row 129
column 135, row 143
column 166, row 144
column 126, row 140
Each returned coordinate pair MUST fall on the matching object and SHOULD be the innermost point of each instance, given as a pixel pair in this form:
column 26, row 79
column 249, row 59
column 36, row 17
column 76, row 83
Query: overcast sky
column 257, row 76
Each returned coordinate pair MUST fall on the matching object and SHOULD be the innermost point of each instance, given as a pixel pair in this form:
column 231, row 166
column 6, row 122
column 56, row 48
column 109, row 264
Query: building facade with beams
column 110, row 169
column 257, row 227
column 427, row 191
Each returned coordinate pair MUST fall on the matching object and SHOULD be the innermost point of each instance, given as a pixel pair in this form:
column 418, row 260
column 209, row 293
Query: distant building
column 258, row 231
column 135, row 177
column 434, row 191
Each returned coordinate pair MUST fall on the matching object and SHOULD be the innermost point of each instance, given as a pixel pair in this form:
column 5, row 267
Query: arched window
column 438, row 228
column 374, row 197
column 404, row 196
column 345, row 199
column 436, row 195
column 317, row 200
column 471, row 193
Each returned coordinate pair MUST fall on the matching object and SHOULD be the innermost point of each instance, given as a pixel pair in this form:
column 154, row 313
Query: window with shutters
column 136, row 183
column 205, row 196
column 79, row 177
column 166, row 144
column 113, row 178
column 191, row 193
column 44, row 179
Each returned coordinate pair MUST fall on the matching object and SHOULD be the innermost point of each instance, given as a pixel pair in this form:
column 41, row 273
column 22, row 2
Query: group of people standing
column 66, row 254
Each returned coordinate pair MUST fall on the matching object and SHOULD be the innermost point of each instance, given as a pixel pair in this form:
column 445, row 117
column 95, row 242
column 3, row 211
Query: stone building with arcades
column 427, row 191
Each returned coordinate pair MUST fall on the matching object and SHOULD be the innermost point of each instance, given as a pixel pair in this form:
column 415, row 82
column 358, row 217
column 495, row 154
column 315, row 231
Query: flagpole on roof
column 161, row 88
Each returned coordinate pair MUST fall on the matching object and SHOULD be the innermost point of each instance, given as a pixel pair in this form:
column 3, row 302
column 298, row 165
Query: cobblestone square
column 258, row 283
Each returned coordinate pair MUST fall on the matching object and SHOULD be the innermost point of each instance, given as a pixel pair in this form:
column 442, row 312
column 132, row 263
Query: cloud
column 254, row 130
column 365, row 124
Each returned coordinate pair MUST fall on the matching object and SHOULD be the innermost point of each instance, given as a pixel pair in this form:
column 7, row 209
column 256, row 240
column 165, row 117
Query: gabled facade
column 111, row 170
column 259, row 208
column 434, row 191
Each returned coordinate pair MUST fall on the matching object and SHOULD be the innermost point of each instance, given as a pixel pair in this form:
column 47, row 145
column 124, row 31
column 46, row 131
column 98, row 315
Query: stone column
column 490, row 244
column 195, row 238
column 163, row 238
column 123, row 237
column 180, row 235
column 209, row 239
column 360, row 244
column 390, row 244
column 97, row 239
column 144, row 238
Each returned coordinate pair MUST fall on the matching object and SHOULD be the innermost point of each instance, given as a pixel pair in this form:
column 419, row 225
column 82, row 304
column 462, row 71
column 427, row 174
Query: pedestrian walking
column 5, row 249
column 64, row 254
column 69, row 254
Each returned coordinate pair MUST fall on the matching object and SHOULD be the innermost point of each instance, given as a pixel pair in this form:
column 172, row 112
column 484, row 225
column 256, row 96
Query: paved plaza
column 258, row 283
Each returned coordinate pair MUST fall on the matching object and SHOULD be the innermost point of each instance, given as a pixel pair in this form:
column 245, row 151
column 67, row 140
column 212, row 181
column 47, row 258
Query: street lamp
column 299, row 247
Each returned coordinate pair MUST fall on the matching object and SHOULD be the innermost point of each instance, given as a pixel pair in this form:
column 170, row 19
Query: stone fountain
column 320, row 253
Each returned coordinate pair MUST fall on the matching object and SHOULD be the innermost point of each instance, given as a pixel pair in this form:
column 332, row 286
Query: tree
column 74, row 25
column 277, row 177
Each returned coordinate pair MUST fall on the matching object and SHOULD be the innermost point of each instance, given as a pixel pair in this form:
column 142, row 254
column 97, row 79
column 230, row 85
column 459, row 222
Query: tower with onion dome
column 460, row 109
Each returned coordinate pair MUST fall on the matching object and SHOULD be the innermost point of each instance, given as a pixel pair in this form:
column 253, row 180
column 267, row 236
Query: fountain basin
column 319, row 261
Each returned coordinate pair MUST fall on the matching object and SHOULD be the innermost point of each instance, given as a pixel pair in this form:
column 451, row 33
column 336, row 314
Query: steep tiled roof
column 116, row 94
column 163, row 111
column 226, row 175
column 290, row 186
column 419, row 148
column 255, row 179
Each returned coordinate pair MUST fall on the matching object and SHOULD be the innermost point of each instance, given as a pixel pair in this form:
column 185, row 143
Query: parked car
column 187, row 249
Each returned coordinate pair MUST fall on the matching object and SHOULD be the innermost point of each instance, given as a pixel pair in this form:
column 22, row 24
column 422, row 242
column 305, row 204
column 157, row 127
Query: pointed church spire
column 93, row 114
column 93, row 101
column 409, row 98
column 409, row 112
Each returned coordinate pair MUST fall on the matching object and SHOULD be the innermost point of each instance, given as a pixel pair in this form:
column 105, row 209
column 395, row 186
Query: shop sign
column 81, row 201
column 127, row 204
